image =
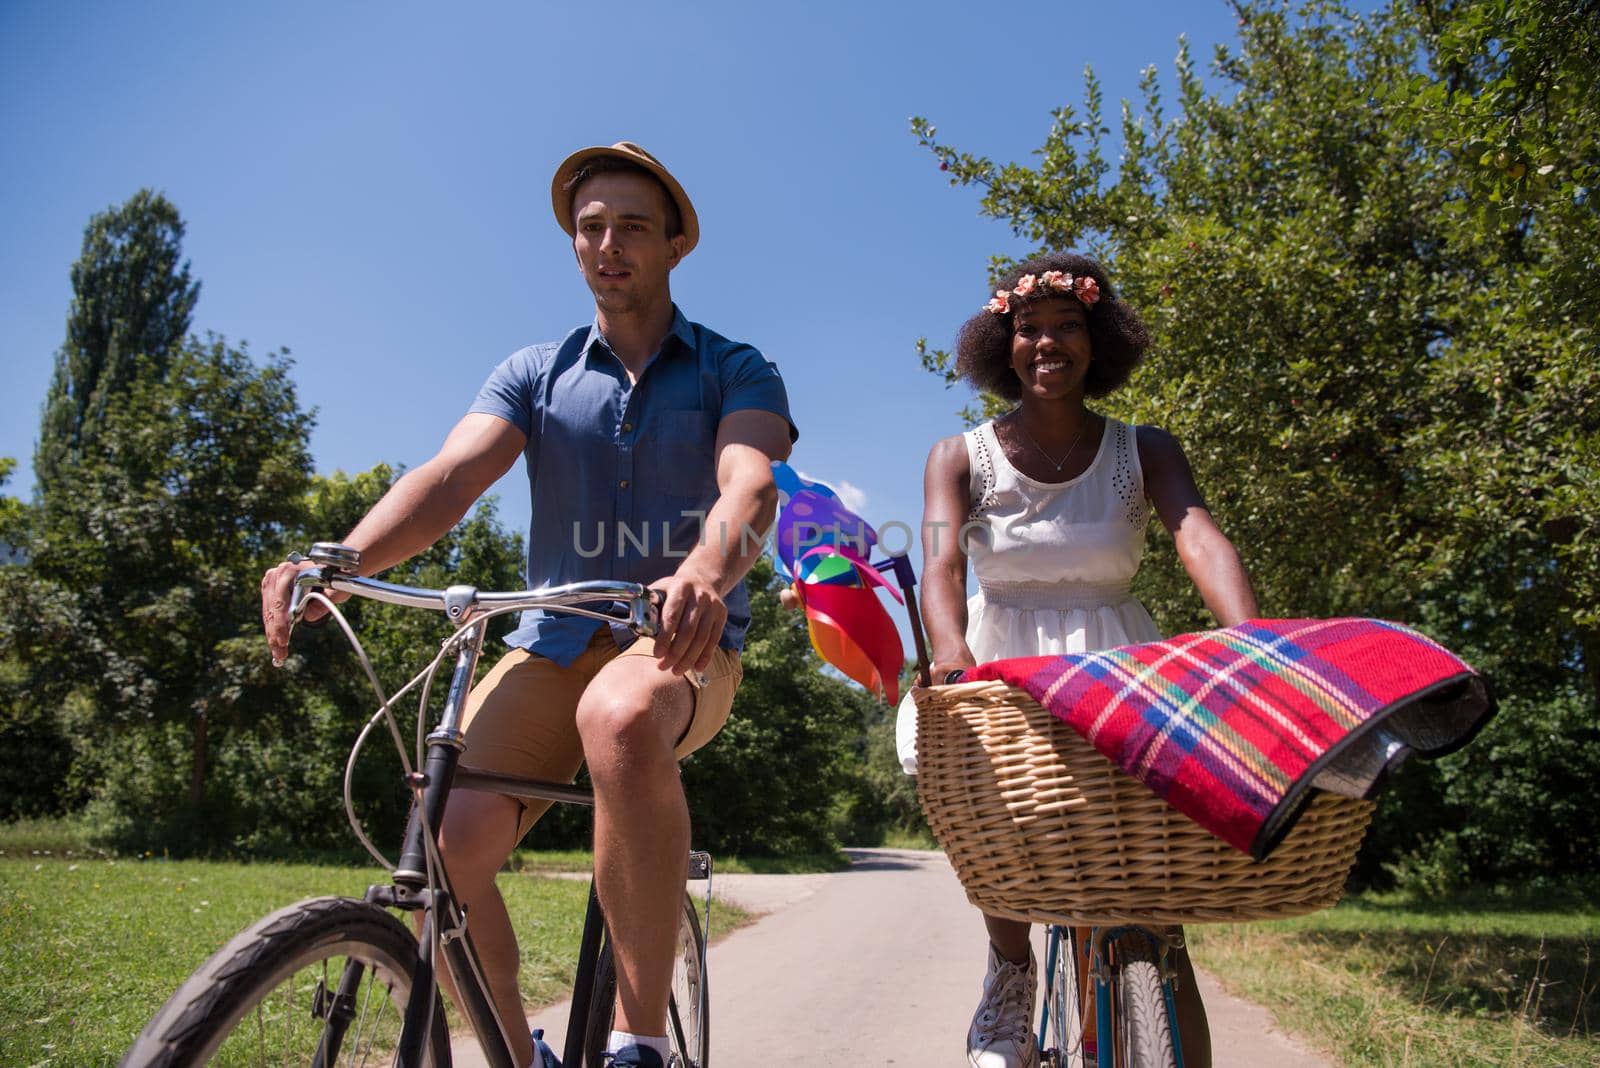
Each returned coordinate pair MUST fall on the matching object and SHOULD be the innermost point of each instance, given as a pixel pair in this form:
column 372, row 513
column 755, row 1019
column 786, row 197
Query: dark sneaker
column 543, row 1055
column 634, row 1057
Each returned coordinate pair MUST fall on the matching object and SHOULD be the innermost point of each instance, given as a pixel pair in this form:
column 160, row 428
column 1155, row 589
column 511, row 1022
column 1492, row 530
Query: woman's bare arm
column 1209, row 557
column 945, row 504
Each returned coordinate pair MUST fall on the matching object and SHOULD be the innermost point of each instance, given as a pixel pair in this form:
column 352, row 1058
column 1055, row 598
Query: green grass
column 1480, row 978
column 90, row 947
column 896, row 838
column 581, row 860
column 73, row 837
column 54, row 835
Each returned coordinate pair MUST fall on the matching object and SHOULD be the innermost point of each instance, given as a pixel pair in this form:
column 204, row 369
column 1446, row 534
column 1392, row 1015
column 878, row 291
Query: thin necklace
column 1063, row 462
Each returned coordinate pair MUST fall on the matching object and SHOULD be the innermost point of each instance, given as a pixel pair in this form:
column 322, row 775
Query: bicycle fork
column 337, row 1012
column 1102, row 942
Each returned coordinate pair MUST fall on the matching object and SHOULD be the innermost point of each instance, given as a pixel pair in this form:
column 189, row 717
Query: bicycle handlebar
column 632, row 604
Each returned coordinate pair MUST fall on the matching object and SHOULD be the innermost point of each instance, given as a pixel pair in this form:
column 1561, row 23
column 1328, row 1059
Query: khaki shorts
column 522, row 718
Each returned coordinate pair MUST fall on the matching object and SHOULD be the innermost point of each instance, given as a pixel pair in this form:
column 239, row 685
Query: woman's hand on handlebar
column 942, row 670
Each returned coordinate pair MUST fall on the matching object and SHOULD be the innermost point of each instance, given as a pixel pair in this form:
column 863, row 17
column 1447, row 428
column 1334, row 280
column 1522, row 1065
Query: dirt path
column 879, row 965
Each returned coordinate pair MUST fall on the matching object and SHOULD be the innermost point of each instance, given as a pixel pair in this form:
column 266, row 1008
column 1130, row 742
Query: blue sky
column 367, row 185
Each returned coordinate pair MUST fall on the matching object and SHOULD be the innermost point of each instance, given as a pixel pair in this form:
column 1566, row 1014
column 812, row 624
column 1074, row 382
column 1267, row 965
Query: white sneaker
column 1000, row 1036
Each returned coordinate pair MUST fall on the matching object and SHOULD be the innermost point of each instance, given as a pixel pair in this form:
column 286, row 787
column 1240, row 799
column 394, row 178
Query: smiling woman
column 1118, row 336
column 1056, row 499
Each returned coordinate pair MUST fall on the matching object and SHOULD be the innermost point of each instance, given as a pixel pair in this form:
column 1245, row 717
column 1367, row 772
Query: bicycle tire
column 1063, row 1040
column 280, row 973
column 1144, row 1033
column 688, row 1005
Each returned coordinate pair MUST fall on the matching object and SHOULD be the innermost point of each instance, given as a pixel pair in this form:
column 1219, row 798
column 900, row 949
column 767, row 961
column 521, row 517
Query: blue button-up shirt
column 622, row 474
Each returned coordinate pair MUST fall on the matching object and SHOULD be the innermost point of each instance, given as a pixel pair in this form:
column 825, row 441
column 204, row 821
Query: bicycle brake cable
column 384, row 712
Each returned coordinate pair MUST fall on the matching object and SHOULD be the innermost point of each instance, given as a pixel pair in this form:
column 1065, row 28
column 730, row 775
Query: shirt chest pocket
column 678, row 455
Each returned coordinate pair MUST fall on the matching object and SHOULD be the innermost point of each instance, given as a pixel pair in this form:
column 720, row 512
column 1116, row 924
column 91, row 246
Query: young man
column 648, row 441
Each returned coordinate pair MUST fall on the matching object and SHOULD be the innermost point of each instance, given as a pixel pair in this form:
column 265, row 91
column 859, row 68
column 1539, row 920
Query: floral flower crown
column 1086, row 289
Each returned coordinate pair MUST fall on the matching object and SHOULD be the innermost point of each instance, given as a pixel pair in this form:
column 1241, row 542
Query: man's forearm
column 416, row 512
column 734, row 534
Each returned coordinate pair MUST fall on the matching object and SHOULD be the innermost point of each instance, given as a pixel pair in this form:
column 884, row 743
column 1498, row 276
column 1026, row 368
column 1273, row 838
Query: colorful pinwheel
column 824, row 549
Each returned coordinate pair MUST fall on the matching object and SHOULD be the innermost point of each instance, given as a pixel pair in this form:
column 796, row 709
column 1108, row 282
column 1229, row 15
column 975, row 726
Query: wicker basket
column 1041, row 827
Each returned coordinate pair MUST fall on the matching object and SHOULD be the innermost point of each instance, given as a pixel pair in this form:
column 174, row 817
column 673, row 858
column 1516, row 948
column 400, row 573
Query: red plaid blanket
column 1234, row 727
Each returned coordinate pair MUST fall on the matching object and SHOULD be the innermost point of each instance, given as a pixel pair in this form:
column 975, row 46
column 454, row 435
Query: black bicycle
column 338, row 981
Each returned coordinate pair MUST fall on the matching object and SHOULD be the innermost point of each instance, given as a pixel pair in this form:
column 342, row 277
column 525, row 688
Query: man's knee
column 631, row 724
column 609, row 719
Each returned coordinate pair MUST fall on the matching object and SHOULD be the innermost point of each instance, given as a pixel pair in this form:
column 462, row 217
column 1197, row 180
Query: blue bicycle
column 1134, row 989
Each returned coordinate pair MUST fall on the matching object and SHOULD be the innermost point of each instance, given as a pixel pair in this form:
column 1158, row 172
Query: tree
column 131, row 306
column 1366, row 259
column 34, row 779
column 275, row 742
column 194, row 480
column 280, row 770
column 132, row 299
column 13, row 517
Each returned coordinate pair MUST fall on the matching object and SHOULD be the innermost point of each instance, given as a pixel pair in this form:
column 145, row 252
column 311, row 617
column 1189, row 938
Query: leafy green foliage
column 1366, row 258
column 14, row 515
column 193, row 480
column 276, row 777
column 299, row 775
column 131, row 306
column 38, row 756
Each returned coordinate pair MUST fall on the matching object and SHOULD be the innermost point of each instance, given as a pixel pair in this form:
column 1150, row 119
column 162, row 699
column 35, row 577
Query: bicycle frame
column 420, row 883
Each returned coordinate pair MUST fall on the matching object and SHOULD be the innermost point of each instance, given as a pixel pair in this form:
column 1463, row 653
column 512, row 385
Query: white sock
column 621, row 1040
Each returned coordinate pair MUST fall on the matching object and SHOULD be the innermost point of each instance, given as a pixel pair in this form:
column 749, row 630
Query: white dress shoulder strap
column 981, row 443
column 1127, row 474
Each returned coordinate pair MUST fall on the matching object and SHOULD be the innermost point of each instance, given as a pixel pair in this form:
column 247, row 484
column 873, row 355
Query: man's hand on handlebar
column 692, row 617
column 277, row 591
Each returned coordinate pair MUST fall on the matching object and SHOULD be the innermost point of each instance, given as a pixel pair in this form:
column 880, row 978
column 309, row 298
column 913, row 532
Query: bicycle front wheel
column 688, row 1007
column 1144, row 1033
column 323, row 982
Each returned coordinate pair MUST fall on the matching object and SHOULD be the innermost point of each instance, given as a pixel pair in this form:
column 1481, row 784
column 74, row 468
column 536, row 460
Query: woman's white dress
column 1053, row 560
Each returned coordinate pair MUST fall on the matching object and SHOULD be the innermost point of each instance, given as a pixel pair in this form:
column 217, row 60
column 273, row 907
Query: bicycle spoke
column 357, row 1047
column 376, row 1017
column 675, row 1023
